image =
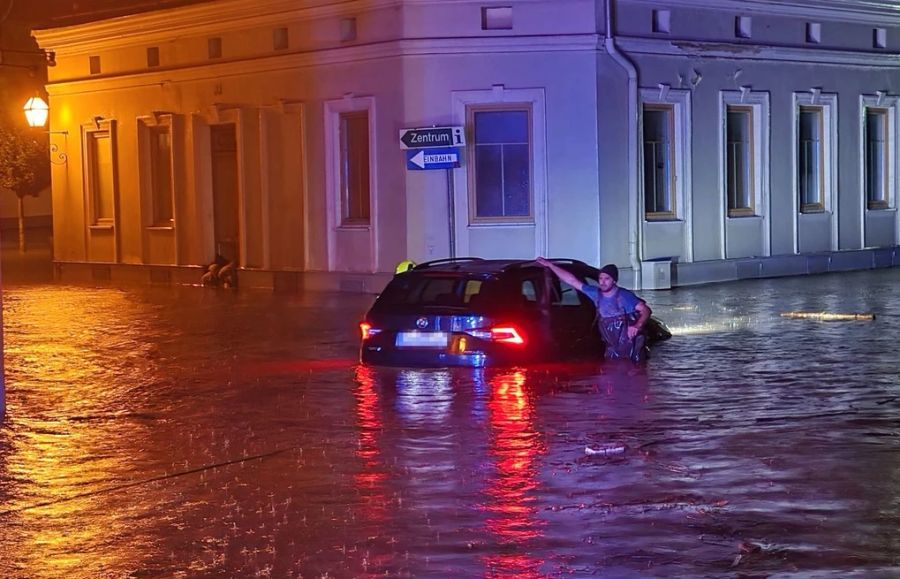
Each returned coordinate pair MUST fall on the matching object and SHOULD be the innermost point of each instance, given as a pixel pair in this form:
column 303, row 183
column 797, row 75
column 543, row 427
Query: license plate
column 422, row 339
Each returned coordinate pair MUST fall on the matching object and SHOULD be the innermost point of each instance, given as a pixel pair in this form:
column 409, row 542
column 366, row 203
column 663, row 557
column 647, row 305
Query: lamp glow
column 36, row 111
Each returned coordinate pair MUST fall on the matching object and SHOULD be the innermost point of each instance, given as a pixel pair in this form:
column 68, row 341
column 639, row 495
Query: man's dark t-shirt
column 615, row 314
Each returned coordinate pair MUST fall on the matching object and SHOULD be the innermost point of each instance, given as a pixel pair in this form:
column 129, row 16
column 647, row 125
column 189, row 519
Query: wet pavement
column 197, row 432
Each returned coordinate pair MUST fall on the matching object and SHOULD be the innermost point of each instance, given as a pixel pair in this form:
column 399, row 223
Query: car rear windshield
column 436, row 290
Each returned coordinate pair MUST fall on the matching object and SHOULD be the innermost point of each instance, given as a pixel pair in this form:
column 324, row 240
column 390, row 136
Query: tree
column 24, row 167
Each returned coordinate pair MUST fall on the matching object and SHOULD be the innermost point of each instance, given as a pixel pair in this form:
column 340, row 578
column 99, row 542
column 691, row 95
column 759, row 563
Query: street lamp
column 36, row 112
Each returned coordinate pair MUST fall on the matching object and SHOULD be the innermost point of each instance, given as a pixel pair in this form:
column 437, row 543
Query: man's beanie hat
column 611, row 270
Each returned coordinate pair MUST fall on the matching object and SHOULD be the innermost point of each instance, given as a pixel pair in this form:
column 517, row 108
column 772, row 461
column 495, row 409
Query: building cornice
column 747, row 51
column 195, row 20
column 587, row 43
column 206, row 70
column 872, row 12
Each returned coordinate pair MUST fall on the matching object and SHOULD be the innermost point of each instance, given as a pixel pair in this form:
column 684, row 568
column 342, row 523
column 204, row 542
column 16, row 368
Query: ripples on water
column 187, row 432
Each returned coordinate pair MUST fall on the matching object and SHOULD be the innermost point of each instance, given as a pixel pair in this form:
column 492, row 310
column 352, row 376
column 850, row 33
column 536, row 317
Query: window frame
column 333, row 181
column 747, row 209
column 471, row 110
column 101, row 129
column 679, row 101
column 887, row 158
column 147, row 126
column 802, row 185
column 757, row 103
column 672, row 212
column 465, row 233
column 827, row 104
column 348, row 198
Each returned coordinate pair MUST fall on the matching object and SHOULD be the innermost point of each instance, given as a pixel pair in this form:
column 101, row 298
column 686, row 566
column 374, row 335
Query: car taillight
column 503, row 334
column 507, row 335
column 367, row 330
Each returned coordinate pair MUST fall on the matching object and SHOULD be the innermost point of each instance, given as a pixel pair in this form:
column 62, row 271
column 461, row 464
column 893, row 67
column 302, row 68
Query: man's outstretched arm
column 561, row 273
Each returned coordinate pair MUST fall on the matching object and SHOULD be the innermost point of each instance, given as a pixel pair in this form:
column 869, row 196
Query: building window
column 156, row 156
column 659, row 161
column 662, row 21
column 351, row 162
column 877, row 157
column 280, row 38
column 815, row 134
column 744, row 153
column 348, row 29
column 743, row 26
column 214, row 47
column 161, row 174
column 100, row 175
column 739, row 175
column 814, row 32
column 496, row 18
column 354, row 167
column 810, row 159
column 501, row 163
column 665, row 133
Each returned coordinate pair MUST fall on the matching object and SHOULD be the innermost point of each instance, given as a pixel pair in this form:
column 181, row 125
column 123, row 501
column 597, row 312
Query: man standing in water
column 622, row 314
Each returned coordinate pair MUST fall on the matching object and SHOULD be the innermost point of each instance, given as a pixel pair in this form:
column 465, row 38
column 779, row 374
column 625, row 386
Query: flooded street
column 195, row 432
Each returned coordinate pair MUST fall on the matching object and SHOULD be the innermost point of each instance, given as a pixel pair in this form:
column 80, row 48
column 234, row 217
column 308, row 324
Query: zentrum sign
column 432, row 137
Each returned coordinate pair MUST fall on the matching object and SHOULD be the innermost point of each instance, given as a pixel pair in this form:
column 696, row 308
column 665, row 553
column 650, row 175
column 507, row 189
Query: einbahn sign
column 425, row 159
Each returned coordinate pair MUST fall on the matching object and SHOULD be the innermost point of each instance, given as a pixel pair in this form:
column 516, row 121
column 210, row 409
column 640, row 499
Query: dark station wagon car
column 484, row 312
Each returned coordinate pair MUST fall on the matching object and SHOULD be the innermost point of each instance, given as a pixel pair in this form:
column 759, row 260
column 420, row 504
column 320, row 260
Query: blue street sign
column 432, row 158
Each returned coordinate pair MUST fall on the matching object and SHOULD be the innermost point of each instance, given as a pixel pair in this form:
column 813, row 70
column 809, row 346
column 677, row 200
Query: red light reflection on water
column 370, row 480
column 515, row 446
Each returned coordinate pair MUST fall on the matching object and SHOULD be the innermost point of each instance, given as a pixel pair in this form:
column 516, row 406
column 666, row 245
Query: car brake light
column 504, row 334
column 507, row 335
column 367, row 330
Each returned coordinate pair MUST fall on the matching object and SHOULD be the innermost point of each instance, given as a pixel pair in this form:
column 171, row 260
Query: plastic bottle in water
column 605, row 450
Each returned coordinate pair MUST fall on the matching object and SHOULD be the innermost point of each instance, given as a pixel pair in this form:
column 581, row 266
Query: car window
column 436, row 291
column 564, row 294
column 432, row 290
column 529, row 290
column 472, row 288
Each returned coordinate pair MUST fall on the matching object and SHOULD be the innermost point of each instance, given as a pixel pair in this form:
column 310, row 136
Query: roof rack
column 559, row 260
column 566, row 260
column 521, row 263
column 446, row 260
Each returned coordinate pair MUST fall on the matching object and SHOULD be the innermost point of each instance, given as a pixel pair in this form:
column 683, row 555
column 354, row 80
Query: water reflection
column 515, row 449
column 423, row 395
column 75, row 396
column 372, row 477
column 164, row 432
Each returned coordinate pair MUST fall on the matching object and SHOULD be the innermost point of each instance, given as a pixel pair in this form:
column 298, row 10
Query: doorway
column 226, row 207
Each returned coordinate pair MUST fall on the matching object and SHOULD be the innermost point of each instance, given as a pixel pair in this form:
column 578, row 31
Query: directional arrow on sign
column 446, row 158
column 432, row 137
column 418, row 159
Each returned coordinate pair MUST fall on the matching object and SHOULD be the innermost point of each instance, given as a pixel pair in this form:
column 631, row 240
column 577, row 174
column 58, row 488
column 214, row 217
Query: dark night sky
column 51, row 13
column 22, row 65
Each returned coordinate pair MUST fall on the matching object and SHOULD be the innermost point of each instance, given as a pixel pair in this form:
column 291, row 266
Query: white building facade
column 730, row 139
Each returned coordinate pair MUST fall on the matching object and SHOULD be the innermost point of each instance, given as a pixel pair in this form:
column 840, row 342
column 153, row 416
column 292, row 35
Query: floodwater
column 195, row 432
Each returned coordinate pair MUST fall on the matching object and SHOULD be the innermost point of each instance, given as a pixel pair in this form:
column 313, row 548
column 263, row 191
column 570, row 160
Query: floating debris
column 605, row 451
column 828, row 316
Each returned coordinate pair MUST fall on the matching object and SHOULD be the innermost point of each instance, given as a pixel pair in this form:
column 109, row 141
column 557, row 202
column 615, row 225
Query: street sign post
column 430, row 137
column 425, row 159
column 436, row 148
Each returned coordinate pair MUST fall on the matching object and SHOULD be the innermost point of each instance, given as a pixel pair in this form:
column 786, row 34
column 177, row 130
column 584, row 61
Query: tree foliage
column 24, row 160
